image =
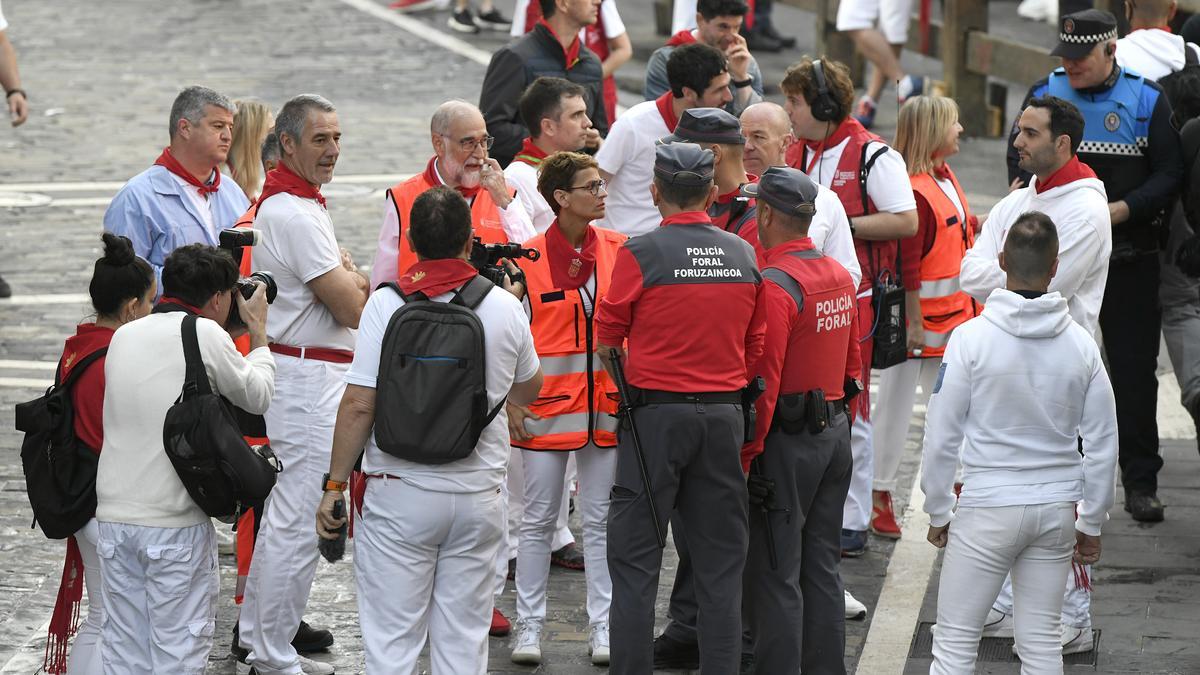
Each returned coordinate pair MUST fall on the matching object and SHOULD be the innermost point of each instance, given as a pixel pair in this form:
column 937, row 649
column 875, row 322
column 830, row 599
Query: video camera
column 486, row 259
column 235, row 240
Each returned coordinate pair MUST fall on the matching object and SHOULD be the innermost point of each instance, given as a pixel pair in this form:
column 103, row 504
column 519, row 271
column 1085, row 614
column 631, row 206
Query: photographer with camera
column 157, row 548
column 321, row 295
column 427, row 540
column 460, row 162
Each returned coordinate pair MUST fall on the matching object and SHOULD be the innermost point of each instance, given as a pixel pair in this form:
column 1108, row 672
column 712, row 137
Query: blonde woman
column 251, row 123
column 926, row 135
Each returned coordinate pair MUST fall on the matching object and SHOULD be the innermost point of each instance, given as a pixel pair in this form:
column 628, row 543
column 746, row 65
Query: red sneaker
column 406, row 6
column 501, row 626
column 883, row 517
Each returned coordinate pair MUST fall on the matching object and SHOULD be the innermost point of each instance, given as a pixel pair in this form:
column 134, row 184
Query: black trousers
column 693, row 462
column 796, row 612
column 1131, row 321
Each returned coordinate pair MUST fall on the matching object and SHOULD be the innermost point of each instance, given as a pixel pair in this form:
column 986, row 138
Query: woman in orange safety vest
column 574, row 412
column 927, row 133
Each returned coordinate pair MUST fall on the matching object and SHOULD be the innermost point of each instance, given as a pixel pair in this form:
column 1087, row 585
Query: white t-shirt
column 952, row 194
column 830, row 232
column 888, row 184
column 144, row 372
column 202, row 204
column 510, row 358
column 613, row 26
column 523, row 178
column 628, row 154
column 298, row 246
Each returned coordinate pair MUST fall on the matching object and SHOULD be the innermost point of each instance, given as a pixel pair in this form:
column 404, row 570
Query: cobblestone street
column 101, row 77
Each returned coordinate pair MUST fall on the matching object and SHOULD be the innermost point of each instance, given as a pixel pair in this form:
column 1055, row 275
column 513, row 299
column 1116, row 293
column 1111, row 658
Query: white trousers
column 513, row 490
column 1077, row 602
column 856, row 514
column 893, row 414
column 1035, row 542
column 300, row 426
column 893, row 17
column 545, row 475
column 159, row 588
column 85, row 649
column 423, row 568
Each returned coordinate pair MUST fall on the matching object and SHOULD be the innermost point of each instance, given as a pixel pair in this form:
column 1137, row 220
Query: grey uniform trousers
column 693, row 462
column 796, row 612
column 1180, row 296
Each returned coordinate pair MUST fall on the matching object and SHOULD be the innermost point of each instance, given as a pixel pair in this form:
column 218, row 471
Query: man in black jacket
column 552, row 49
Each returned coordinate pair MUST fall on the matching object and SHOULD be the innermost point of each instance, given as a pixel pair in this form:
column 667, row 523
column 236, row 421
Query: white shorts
column 894, row 17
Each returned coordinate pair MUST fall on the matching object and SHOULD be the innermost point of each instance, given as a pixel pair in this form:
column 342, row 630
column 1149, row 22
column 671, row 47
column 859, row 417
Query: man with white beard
column 460, row 144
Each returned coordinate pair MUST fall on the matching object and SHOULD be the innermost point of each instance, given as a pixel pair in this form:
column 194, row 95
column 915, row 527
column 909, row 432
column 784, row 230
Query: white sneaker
column 598, row 643
column 854, row 609
column 1074, row 640
column 527, row 648
column 998, row 625
column 310, row 667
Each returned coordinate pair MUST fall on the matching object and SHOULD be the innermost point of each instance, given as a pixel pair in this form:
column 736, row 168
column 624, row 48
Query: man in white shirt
column 460, row 144
column 836, row 151
column 699, row 78
column 429, row 534
column 321, row 295
column 1023, row 396
column 768, row 133
column 158, row 548
column 555, row 112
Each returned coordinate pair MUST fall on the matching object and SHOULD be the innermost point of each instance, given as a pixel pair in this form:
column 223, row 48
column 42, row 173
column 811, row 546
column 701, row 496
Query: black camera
column 246, row 286
column 235, row 239
column 486, row 259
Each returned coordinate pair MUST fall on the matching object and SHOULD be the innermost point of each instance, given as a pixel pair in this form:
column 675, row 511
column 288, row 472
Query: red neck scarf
column 570, row 269
column 666, row 108
column 736, row 192
column 1069, row 173
column 167, row 160
column 283, row 179
column 570, row 53
column 688, row 218
column 168, row 300
column 530, row 154
column 942, row 172
column 683, row 37
column 433, row 178
column 434, row 277
column 843, row 131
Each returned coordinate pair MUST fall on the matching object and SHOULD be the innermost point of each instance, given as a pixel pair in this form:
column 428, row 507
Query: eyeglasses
column 469, row 144
column 593, row 187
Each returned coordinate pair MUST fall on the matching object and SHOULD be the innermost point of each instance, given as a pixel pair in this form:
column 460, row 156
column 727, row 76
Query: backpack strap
column 864, row 170
column 77, row 371
column 195, row 380
column 406, row 298
column 1189, row 55
column 472, row 294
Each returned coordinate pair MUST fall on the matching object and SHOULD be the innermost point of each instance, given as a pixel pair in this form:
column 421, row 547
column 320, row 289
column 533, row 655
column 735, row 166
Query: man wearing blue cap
column 800, row 460
column 686, row 389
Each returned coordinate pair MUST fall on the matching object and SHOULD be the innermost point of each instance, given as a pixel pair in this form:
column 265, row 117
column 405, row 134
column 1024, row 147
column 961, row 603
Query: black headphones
column 824, row 108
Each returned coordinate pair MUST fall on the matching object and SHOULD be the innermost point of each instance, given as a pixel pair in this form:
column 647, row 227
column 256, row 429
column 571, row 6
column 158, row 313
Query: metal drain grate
column 997, row 650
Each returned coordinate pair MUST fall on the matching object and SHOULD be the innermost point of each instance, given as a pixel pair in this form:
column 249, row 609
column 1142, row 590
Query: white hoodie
column 1079, row 210
column 1019, row 384
column 1152, row 53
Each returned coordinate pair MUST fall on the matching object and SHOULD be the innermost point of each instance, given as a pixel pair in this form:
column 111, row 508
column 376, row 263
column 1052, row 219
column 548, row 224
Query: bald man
column 768, row 132
column 460, row 161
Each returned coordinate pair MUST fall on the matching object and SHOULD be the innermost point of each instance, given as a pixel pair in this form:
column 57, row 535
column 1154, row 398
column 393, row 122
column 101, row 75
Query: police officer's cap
column 1080, row 32
column 683, row 164
column 785, row 189
column 707, row 125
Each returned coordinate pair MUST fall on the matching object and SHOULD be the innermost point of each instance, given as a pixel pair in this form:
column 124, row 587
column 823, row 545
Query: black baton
column 756, row 470
column 627, row 411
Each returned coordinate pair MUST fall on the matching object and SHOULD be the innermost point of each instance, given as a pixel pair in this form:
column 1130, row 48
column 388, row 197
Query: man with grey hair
column 183, row 198
column 460, row 161
column 321, row 295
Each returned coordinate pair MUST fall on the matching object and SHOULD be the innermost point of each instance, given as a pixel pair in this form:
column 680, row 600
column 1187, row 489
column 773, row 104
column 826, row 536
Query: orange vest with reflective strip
column 485, row 216
column 242, row 342
column 578, row 399
column 944, row 305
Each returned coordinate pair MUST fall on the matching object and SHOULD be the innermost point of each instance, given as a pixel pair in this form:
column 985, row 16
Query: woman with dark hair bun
column 122, row 290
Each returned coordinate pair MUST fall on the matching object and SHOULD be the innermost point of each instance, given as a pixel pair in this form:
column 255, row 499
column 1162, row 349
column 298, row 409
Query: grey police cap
column 707, row 125
column 683, row 164
column 785, row 189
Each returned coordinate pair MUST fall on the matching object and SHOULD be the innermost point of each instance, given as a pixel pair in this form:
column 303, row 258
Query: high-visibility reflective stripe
column 606, row 422
column 933, row 339
column 564, row 365
column 939, row 288
column 559, row 424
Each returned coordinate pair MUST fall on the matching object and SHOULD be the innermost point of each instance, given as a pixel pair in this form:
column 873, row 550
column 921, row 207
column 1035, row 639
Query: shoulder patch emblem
column 937, row 386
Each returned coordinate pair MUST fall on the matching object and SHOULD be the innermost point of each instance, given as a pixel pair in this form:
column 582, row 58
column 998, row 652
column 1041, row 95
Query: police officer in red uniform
column 686, row 370
column 800, row 459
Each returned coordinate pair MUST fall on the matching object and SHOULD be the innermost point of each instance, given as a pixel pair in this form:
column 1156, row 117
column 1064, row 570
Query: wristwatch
column 742, row 84
column 329, row 485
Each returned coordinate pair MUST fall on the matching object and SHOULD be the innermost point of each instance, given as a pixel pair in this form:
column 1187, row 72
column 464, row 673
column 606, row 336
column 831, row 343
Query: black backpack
column 1182, row 88
column 60, row 471
column 431, row 396
column 222, row 473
